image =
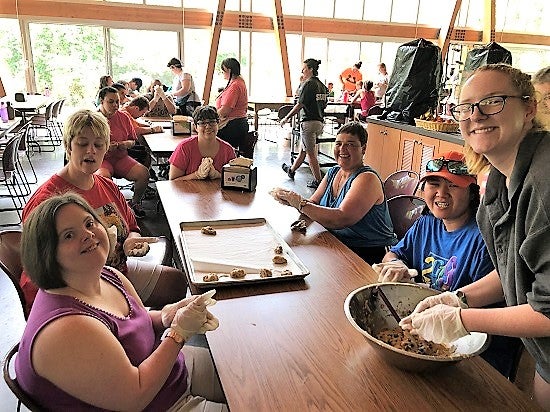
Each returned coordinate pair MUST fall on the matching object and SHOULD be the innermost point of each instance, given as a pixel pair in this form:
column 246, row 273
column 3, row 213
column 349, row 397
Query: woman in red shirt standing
column 232, row 104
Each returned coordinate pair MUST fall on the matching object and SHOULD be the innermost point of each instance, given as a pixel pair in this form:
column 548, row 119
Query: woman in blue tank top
column 350, row 200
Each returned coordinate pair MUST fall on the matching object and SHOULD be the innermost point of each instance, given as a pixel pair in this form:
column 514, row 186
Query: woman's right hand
column 190, row 319
column 445, row 298
column 394, row 271
column 204, row 168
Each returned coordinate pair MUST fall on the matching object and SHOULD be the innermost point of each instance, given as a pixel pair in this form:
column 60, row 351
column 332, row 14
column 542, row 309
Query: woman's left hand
column 287, row 197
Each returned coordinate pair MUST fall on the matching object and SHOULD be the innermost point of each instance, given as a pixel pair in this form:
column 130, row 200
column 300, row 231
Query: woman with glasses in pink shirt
column 201, row 156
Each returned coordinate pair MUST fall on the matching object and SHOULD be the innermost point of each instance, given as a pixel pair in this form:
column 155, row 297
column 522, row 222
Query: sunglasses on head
column 456, row 167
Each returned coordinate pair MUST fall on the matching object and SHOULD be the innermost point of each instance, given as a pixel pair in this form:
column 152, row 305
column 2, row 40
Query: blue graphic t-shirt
column 446, row 261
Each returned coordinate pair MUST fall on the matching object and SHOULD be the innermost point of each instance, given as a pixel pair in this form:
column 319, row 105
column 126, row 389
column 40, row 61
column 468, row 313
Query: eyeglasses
column 544, row 102
column 349, row 145
column 455, row 167
column 488, row 107
column 207, row 122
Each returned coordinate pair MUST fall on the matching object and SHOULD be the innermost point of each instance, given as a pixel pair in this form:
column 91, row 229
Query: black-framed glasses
column 489, row 106
column 210, row 122
column 456, row 167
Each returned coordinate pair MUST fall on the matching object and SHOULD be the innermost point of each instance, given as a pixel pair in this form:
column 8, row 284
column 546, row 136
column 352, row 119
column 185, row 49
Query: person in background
column 330, row 87
column 117, row 163
column 232, row 104
column 444, row 248
column 350, row 200
column 382, row 81
column 122, row 91
column 134, row 85
column 89, row 342
column 366, row 99
column 350, row 76
column 86, row 140
column 135, row 109
column 201, row 156
column 497, row 116
column 311, row 106
column 104, row 81
column 541, row 81
column 160, row 104
column 183, row 88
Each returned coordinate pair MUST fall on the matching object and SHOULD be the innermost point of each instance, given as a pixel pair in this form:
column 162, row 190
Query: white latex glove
column 168, row 312
column 204, row 168
column 211, row 323
column 190, row 319
column 445, row 298
column 438, row 324
column 213, row 173
column 138, row 246
column 395, row 271
column 287, row 197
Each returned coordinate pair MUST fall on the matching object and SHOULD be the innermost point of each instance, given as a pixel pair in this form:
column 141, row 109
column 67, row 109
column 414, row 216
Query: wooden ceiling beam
column 489, row 17
column 446, row 32
column 280, row 35
column 216, row 32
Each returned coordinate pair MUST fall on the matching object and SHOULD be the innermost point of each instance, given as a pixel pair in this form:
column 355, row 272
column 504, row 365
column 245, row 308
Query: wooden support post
column 216, row 31
column 489, row 21
column 280, row 34
column 446, row 32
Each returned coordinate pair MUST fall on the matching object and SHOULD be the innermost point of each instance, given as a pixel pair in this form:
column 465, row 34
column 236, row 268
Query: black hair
column 368, row 85
column 138, row 82
column 174, row 62
column 313, row 64
column 106, row 90
column 355, row 129
column 118, row 86
column 140, row 102
column 475, row 197
column 205, row 113
column 233, row 66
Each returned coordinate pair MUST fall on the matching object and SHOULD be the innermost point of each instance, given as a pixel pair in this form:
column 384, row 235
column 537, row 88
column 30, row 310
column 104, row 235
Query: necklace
column 339, row 182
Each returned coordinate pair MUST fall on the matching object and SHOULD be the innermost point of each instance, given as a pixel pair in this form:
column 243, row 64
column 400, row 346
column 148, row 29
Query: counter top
column 448, row 137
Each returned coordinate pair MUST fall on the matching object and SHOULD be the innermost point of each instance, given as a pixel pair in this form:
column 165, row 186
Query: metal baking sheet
column 247, row 244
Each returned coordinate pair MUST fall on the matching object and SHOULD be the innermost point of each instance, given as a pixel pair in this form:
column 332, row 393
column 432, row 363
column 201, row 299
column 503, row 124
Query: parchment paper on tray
column 247, row 244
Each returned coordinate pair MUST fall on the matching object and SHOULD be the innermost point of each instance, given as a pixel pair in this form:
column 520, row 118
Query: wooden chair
column 404, row 210
column 22, row 396
column 402, row 182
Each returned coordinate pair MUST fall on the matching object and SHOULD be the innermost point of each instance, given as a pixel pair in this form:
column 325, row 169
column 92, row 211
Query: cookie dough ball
column 286, row 272
column 299, row 226
column 265, row 273
column 211, row 277
column 208, row 230
column 278, row 250
column 237, row 273
column 279, row 260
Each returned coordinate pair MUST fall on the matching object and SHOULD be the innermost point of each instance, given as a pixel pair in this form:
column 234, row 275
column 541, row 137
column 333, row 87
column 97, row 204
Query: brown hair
column 81, row 119
column 39, row 240
column 521, row 82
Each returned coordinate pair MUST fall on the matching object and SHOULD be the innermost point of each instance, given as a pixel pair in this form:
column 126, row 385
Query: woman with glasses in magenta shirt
column 201, row 156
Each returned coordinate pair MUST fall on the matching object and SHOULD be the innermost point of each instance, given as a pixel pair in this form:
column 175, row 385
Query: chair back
column 402, row 182
column 22, row 396
column 284, row 110
column 55, row 108
column 404, row 210
column 375, row 110
column 10, row 261
column 246, row 149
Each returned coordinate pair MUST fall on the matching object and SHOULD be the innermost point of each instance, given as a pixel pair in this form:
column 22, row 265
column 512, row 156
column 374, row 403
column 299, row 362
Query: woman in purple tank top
column 89, row 343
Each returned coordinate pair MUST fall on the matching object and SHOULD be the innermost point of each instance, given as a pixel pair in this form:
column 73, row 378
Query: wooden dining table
column 164, row 143
column 287, row 346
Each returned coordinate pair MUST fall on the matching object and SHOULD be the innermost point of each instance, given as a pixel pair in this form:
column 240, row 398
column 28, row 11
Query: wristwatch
column 171, row 333
column 462, row 298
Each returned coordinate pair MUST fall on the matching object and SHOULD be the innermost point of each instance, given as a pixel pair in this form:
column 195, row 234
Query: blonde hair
column 81, row 119
column 521, row 82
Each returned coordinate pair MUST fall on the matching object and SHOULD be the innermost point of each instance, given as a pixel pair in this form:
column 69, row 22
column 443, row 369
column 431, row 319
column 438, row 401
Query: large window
column 12, row 66
column 68, row 60
column 143, row 54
